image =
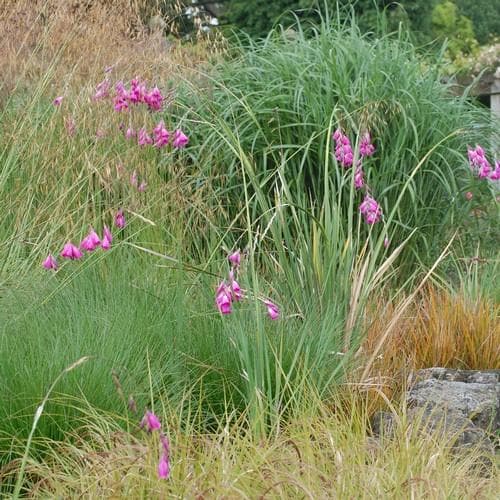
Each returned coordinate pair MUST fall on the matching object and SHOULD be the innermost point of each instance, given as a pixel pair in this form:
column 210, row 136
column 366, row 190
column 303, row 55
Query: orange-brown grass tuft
column 441, row 328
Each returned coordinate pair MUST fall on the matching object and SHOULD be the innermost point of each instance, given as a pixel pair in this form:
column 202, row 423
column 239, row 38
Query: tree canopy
column 256, row 17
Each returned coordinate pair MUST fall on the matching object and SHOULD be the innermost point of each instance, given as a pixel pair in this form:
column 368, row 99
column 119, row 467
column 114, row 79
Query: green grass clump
column 279, row 100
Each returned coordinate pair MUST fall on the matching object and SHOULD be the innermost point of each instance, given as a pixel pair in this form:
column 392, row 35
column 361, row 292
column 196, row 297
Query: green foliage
column 457, row 29
column 485, row 17
column 257, row 17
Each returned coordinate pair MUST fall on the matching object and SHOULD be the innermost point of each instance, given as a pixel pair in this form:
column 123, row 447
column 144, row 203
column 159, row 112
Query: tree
column 485, row 17
column 257, row 17
column 448, row 23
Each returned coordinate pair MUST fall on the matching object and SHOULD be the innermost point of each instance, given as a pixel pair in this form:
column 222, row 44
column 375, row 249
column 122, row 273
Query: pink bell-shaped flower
column 272, row 309
column 71, row 252
column 150, row 421
column 107, row 239
column 120, row 219
column 180, row 139
column 50, row 262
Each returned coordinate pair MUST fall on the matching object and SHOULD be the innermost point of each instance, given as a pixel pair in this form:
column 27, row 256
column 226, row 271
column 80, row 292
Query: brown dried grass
column 72, row 41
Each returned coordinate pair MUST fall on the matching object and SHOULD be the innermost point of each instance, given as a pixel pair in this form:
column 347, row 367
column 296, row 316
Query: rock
column 479, row 402
column 383, row 423
column 462, row 403
column 467, row 376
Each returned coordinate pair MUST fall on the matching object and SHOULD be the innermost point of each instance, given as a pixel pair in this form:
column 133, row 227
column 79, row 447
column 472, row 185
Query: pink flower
column 50, row 262
column 70, row 125
column 57, row 101
column 144, row 138
column 484, row 171
column 343, row 149
column 120, row 103
column 235, row 258
column 154, row 99
column 120, row 89
column 121, row 99
column 90, row 242
column 469, row 195
column 237, row 294
column 180, row 139
column 366, row 148
column 70, row 251
column 163, row 467
column 495, row 175
column 130, row 133
column 272, row 309
column 223, row 298
column 137, row 91
column 100, row 134
column 108, row 69
column 337, row 135
column 161, row 135
column 478, row 162
column 386, row 242
column 358, row 178
column 164, row 464
column 142, row 186
column 120, row 219
column 371, row 210
column 107, row 239
column 151, row 421
column 102, row 90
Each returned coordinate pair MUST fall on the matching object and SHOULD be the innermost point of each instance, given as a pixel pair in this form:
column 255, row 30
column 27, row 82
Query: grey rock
column 383, row 423
column 464, row 404
column 467, row 376
column 478, row 402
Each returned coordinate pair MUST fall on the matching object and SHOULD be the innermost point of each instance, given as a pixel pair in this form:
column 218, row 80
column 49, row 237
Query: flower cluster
column 229, row 290
column 359, row 180
column 159, row 138
column 152, row 423
column 369, row 208
column 343, row 149
column 480, row 165
column 138, row 94
column 366, row 148
column 345, row 156
column 124, row 99
column 91, row 242
column 478, row 162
